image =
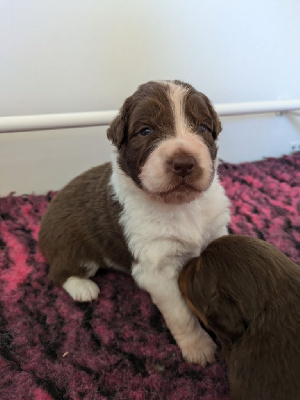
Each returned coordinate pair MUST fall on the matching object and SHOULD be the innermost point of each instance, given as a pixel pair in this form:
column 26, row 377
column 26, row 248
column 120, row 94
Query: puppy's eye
column 202, row 128
column 146, row 132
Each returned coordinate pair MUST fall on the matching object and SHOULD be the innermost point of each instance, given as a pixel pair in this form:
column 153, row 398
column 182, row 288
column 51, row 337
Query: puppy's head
column 235, row 281
column 166, row 136
column 217, row 310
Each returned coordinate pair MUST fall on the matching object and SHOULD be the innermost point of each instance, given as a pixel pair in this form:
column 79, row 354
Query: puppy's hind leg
column 76, row 281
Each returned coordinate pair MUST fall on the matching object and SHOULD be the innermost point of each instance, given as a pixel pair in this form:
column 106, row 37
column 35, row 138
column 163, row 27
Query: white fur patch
column 155, row 230
column 177, row 94
column 81, row 289
column 162, row 237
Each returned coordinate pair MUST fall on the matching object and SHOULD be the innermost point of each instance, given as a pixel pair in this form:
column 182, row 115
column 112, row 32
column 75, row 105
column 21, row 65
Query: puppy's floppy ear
column 217, row 127
column 187, row 285
column 117, row 131
column 224, row 318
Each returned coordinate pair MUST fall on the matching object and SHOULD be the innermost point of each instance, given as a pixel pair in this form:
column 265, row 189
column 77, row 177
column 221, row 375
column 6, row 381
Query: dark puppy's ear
column 194, row 288
column 224, row 318
column 217, row 126
column 117, row 131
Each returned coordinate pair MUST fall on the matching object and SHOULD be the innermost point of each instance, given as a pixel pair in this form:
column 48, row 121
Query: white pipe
column 257, row 107
column 55, row 121
column 100, row 118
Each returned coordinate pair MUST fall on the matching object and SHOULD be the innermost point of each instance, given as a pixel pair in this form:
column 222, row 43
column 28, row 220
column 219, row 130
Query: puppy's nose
column 183, row 165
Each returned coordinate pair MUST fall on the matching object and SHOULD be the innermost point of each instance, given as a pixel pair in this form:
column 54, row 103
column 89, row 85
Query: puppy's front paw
column 81, row 289
column 198, row 348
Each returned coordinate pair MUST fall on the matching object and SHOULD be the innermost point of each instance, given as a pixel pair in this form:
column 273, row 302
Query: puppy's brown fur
column 248, row 293
column 71, row 230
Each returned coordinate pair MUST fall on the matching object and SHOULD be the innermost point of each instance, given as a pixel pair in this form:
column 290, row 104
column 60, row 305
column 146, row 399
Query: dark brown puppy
column 248, row 293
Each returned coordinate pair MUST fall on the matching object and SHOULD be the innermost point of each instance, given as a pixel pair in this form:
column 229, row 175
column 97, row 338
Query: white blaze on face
column 177, row 94
column 156, row 175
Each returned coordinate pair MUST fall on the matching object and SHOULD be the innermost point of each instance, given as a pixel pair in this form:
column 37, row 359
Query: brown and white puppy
column 248, row 293
column 154, row 207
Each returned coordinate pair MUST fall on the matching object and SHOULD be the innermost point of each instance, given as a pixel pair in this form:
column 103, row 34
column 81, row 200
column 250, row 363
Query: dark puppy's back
column 264, row 363
column 81, row 223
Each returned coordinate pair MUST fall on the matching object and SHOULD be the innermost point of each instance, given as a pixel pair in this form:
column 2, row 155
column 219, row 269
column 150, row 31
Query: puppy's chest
column 155, row 235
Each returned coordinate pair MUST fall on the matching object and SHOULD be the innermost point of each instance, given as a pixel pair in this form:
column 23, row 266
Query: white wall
column 73, row 55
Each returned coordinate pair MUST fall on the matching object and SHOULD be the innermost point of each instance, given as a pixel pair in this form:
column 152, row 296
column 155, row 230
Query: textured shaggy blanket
column 118, row 347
